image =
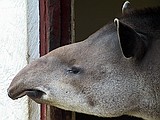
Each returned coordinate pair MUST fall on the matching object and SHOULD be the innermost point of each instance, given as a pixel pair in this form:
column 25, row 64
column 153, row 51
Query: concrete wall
column 19, row 44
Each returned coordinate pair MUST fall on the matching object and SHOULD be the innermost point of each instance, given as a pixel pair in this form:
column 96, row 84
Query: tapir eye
column 73, row 70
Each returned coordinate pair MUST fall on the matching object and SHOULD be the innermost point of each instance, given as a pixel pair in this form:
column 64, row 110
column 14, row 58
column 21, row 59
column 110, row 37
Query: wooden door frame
column 56, row 29
column 44, row 43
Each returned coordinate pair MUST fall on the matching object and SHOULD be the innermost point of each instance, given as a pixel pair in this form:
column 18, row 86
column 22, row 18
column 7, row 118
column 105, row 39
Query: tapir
column 114, row 72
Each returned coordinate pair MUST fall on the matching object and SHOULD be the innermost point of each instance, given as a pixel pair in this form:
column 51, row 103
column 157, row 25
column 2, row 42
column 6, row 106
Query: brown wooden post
column 60, row 34
column 55, row 31
column 44, row 28
column 44, row 41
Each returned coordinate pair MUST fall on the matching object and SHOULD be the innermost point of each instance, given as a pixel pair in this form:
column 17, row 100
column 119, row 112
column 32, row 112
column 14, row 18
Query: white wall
column 33, row 47
column 19, row 44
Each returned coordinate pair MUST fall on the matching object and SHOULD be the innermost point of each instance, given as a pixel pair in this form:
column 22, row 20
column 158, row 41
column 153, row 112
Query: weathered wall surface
column 33, row 47
column 19, row 41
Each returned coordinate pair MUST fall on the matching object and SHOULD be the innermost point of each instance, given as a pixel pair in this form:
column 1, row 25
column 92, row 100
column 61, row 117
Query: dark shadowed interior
column 91, row 15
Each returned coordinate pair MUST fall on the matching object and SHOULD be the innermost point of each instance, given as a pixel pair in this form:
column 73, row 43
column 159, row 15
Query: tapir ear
column 126, row 8
column 133, row 44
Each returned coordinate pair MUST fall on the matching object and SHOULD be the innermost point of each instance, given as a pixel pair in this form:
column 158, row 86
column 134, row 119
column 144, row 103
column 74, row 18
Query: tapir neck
column 149, row 103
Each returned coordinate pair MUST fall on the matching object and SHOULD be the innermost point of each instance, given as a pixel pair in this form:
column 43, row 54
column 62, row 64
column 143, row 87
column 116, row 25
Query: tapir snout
column 114, row 72
column 25, row 84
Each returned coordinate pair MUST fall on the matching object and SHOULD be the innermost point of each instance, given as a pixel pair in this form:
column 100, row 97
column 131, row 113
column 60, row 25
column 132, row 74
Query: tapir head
column 96, row 76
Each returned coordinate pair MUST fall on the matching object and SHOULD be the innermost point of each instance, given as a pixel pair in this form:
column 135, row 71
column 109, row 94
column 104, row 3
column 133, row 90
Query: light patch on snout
column 66, row 97
column 60, row 93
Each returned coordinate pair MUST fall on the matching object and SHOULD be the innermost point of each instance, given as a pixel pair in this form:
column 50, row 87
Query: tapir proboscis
column 114, row 72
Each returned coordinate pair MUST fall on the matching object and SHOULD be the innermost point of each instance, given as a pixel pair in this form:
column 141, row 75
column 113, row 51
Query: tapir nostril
column 11, row 95
column 14, row 96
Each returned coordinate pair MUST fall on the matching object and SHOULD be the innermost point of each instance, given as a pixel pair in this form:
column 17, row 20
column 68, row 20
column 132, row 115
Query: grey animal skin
column 114, row 72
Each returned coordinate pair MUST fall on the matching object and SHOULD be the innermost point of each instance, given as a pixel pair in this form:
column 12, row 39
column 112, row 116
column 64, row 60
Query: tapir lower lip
column 32, row 93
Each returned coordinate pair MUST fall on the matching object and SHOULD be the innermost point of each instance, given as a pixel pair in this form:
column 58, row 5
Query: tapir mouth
column 32, row 93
